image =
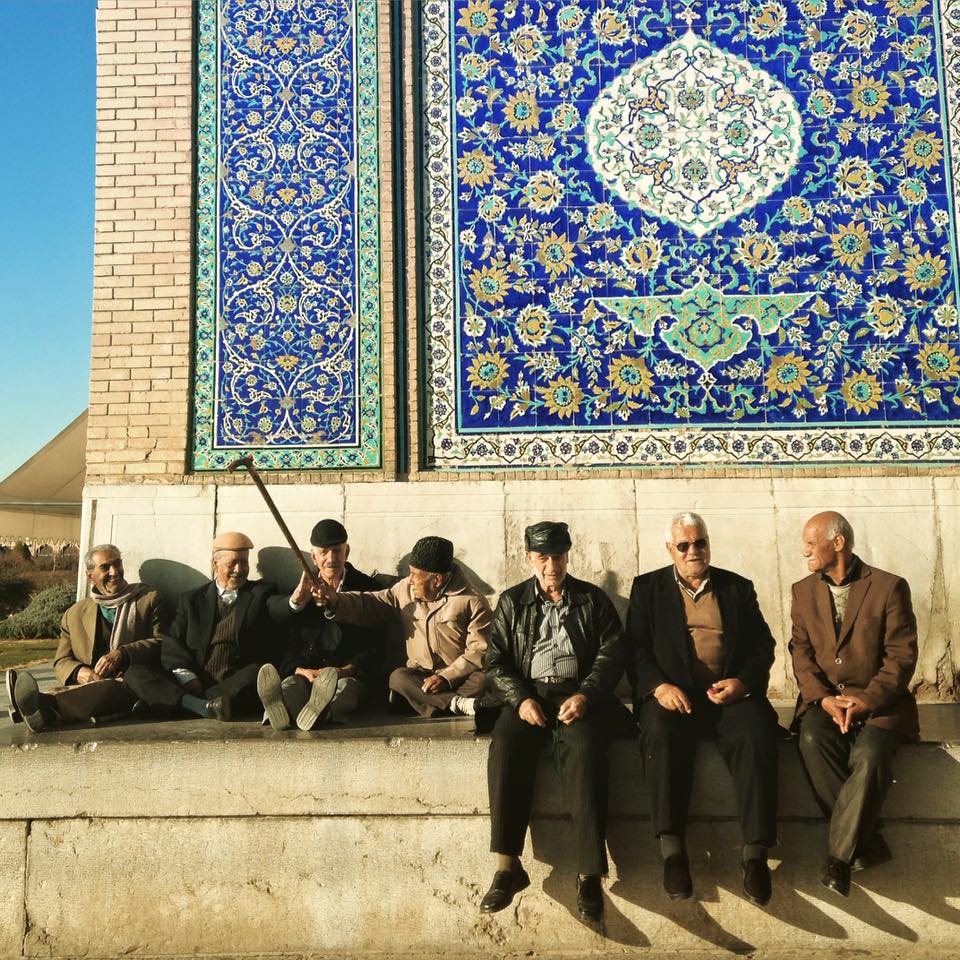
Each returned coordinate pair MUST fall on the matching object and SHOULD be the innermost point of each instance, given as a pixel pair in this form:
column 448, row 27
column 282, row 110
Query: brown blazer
column 78, row 632
column 874, row 656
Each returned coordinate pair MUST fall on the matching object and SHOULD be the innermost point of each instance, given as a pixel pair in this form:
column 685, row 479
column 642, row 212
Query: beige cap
column 231, row 540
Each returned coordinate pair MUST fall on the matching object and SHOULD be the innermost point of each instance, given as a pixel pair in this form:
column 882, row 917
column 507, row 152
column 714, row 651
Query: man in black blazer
column 328, row 668
column 220, row 636
column 700, row 663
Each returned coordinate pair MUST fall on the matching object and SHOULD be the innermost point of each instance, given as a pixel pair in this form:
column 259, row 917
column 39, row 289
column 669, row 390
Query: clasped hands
column 722, row 693
column 571, row 710
column 844, row 711
column 109, row 665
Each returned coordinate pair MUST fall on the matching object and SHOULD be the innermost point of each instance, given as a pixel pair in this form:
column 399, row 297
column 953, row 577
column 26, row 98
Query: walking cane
column 284, row 529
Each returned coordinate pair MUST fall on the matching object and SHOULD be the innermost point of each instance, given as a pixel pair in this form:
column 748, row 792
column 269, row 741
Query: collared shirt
column 840, row 592
column 689, row 591
column 553, row 653
column 226, row 596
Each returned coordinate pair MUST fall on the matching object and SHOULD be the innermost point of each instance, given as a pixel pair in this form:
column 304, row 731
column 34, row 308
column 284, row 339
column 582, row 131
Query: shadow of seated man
column 102, row 636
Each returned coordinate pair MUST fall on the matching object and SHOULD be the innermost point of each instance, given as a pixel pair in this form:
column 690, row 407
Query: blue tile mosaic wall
column 288, row 357
column 690, row 232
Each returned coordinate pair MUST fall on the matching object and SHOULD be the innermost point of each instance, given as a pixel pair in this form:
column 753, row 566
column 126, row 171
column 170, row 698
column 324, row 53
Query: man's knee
column 400, row 680
column 872, row 753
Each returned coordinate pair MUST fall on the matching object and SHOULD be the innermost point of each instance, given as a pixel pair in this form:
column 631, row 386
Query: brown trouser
column 407, row 681
column 99, row 699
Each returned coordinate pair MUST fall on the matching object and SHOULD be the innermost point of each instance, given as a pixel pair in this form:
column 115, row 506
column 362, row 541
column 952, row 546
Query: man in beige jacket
column 446, row 623
column 101, row 636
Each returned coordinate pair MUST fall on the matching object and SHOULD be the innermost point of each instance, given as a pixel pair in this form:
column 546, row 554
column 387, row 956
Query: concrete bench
column 170, row 839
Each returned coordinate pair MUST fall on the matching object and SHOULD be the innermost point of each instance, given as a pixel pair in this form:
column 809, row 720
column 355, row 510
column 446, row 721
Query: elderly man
column 328, row 667
column 555, row 655
column 220, row 636
column 101, row 636
column 446, row 622
column 854, row 647
column 701, row 661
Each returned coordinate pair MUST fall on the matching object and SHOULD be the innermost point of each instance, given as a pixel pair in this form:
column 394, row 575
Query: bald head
column 828, row 544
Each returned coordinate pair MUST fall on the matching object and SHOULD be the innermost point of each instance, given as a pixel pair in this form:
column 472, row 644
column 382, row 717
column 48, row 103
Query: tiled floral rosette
column 287, row 345
column 697, row 233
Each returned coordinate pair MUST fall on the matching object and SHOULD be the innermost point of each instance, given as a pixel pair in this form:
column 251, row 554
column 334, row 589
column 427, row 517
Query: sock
column 670, row 844
column 465, row 705
column 196, row 705
column 507, row 862
column 754, row 851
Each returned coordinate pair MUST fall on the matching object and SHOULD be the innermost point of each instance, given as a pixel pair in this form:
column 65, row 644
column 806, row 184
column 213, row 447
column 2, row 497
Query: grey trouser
column 850, row 774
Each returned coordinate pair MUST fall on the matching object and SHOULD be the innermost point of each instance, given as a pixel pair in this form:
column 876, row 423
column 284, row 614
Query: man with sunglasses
column 699, row 665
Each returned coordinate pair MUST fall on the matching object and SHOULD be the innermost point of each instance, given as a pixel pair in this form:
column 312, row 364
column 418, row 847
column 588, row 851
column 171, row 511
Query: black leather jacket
column 592, row 624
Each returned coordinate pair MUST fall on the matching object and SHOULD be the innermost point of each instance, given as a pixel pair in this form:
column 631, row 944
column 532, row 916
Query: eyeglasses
column 685, row 545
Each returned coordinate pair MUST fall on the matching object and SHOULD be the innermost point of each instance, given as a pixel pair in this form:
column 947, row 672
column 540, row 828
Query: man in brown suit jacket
column 101, row 636
column 854, row 647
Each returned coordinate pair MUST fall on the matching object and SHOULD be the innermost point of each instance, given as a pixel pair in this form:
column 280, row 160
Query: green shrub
column 41, row 618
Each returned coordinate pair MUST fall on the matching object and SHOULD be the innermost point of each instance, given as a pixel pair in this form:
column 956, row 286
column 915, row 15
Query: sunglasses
column 685, row 545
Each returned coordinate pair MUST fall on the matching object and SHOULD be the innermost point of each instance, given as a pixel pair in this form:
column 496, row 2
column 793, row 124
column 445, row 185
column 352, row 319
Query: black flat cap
column 328, row 533
column 547, row 537
column 433, row 554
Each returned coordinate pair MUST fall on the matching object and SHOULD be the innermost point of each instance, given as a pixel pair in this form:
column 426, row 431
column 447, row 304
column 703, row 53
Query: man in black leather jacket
column 555, row 654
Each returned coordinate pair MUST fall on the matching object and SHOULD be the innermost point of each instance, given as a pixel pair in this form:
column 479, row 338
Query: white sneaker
column 465, row 706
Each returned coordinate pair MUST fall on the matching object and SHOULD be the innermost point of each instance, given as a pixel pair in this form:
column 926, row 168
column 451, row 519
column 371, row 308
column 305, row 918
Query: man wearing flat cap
column 328, row 667
column 699, row 664
column 446, row 622
column 220, row 636
column 555, row 655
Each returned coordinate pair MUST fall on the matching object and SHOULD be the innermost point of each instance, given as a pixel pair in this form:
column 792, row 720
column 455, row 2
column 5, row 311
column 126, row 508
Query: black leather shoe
column 222, row 708
column 836, row 876
column 870, row 854
column 676, row 877
column 15, row 715
column 756, row 882
column 590, row 898
column 506, row 883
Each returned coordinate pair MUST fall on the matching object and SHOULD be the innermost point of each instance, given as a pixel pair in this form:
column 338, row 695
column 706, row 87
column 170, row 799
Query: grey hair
column 686, row 518
column 99, row 548
column 839, row 526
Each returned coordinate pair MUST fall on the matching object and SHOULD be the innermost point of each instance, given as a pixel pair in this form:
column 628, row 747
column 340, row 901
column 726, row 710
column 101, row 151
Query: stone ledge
column 202, row 768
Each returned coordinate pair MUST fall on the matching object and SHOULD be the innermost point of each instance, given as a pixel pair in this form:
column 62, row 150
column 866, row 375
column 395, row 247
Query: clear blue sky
column 47, row 115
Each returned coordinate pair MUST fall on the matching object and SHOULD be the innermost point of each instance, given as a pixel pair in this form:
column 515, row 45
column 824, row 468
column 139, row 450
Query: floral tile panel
column 288, row 240
column 692, row 231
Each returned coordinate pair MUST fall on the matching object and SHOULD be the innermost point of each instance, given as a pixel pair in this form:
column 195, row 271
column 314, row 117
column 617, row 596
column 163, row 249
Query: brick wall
column 140, row 412
column 139, row 378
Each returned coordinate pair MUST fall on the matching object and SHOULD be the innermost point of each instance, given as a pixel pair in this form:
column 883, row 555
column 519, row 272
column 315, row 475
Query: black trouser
column 160, row 691
column 746, row 736
column 850, row 774
column 582, row 758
